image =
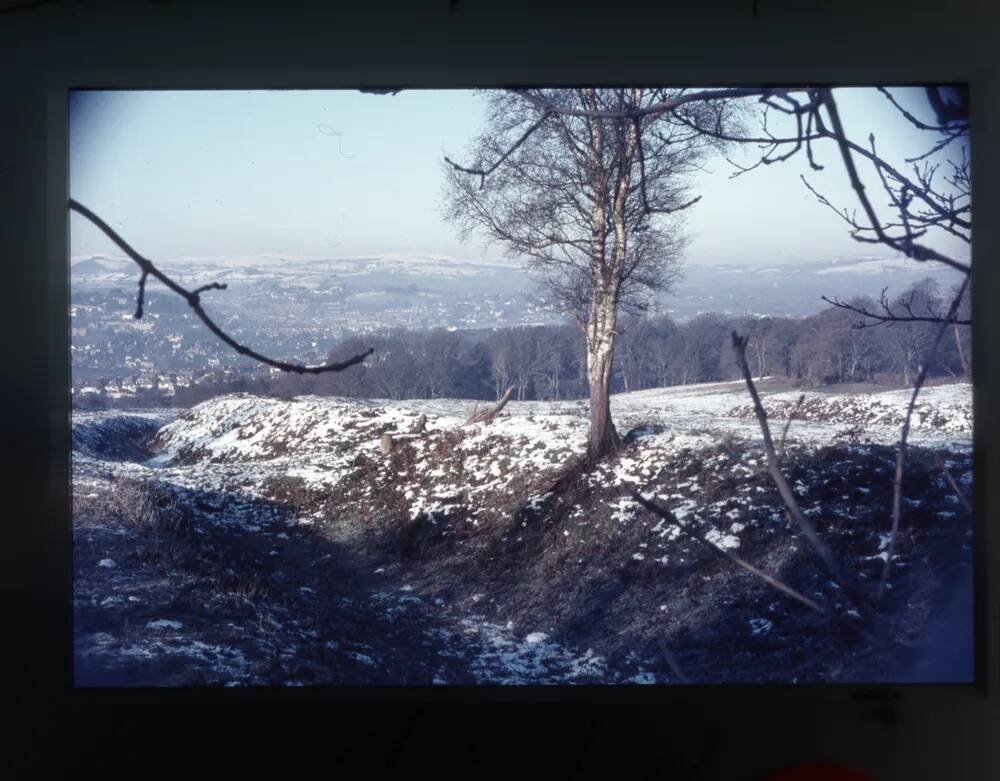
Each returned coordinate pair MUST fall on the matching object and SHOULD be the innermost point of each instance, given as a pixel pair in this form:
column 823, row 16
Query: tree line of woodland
column 549, row 362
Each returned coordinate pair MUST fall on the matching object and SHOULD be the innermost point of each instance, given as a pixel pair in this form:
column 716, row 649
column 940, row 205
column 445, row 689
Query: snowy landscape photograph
column 608, row 386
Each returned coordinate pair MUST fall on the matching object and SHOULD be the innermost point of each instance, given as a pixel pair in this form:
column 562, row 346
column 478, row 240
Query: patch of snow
column 162, row 624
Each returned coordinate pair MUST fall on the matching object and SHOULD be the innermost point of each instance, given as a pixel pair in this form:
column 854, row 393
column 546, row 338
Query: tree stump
column 387, row 444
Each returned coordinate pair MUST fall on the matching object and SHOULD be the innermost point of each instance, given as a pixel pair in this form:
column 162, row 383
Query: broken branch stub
column 488, row 415
column 419, row 425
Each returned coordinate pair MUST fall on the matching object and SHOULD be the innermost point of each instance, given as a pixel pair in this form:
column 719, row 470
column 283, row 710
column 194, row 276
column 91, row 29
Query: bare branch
column 788, row 425
column 911, row 250
column 140, row 298
column 922, row 190
column 774, row 468
column 771, row 580
column 953, row 484
column 192, row 297
column 488, row 415
column 661, row 107
column 913, row 120
column 897, row 481
column 482, row 173
column 890, row 317
column 209, row 286
column 905, row 245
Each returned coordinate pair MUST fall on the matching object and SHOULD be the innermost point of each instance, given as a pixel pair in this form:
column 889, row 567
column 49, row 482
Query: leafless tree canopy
column 923, row 198
column 538, row 172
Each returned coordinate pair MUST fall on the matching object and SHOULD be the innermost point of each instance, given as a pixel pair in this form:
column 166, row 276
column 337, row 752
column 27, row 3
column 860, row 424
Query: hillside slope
column 459, row 556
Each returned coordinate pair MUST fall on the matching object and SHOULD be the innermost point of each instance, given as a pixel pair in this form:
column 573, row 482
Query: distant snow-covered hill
column 797, row 288
column 793, row 288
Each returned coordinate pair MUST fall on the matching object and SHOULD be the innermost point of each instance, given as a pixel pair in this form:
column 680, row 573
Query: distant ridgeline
column 548, row 362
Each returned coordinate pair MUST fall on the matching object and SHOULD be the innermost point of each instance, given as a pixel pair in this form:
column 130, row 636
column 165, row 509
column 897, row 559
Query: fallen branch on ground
column 954, row 486
column 772, row 581
column 487, row 415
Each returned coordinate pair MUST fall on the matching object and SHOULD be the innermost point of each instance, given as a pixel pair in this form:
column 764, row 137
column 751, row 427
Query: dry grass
column 135, row 503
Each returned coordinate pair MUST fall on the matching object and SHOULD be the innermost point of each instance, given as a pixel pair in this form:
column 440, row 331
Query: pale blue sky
column 341, row 173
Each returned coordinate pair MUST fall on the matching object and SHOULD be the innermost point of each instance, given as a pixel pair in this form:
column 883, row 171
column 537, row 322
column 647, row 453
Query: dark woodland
column 548, row 363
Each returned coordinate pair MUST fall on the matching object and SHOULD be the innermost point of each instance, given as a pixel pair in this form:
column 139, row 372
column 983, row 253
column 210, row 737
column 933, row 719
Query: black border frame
column 915, row 731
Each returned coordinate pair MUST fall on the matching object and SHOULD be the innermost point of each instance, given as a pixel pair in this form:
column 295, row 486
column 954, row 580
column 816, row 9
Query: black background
column 909, row 733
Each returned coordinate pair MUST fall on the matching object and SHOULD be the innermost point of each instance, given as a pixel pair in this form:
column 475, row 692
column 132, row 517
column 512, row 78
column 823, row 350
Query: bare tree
column 591, row 199
column 963, row 337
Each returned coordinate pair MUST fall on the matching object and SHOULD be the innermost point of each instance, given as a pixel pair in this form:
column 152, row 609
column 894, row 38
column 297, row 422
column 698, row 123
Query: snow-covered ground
column 235, row 445
column 236, row 442
column 239, row 440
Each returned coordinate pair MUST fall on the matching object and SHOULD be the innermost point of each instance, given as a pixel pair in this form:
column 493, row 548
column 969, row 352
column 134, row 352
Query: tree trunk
column 961, row 352
column 603, row 438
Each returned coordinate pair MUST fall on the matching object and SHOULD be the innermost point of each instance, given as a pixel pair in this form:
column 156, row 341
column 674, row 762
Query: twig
column 671, row 660
column 897, row 480
column 891, row 317
column 906, row 245
column 774, row 468
column 788, row 425
column 662, row 107
column 482, row 173
column 194, row 301
column 953, row 484
column 913, row 120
